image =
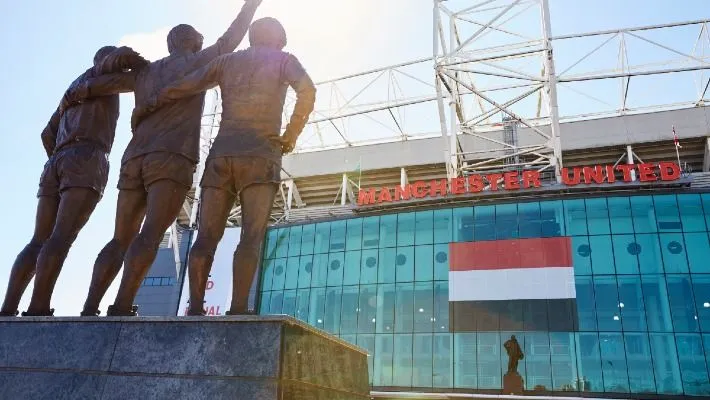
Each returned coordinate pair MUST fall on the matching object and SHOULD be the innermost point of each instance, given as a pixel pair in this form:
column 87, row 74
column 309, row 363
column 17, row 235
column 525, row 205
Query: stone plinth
column 512, row 383
column 236, row 357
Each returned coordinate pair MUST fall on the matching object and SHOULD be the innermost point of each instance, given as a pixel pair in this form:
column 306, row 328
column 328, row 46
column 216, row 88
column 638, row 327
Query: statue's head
column 102, row 53
column 184, row 38
column 267, row 32
column 512, row 337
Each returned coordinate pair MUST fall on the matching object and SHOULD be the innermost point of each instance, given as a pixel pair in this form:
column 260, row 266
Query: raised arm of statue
column 49, row 133
column 233, row 36
column 299, row 80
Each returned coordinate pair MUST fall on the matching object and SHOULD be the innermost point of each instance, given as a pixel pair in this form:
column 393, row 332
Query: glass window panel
column 442, row 226
column 282, row 243
column 387, row 265
column 320, row 270
column 643, row 214
column 706, row 208
column 443, row 360
column 535, row 313
column 322, row 239
column 353, row 240
column 422, row 360
column 489, row 365
column 576, row 217
column 289, row 303
column 620, row 215
column 308, row 239
column 693, row 369
column 463, row 224
column 276, row 303
column 367, row 319
column 655, row 295
column 368, row 266
column 386, row 301
column 424, row 227
column 302, row 304
column 589, row 363
column 607, row 301
column 279, row 274
column 384, row 353
column 367, row 342
column 602, row 255
column 631, row 306
column 264, row 303
column 267, row 277
column 404, row 307
column 698, row 248
column 586, row 309
column 441, row 262
column 294, row 241
column 484, row 223
column 614, row 370
column 511, row 315
column 667, row 218
column 331, row 312
column 350, row 310
column 465, row 363
column 337, row 236
column 552, row 219
column 423, row 307
column 581, row 255
column 639, row 362
column 305, row 271
column 535, row 365
column 674, row 255
column 271, row 239
column 388, row 230
column 650, row 258
column 336, row 262
column 506, row 221
column 371, row 232
column 681, row 299
column 530, row 224
column 404, row 262
column 691, row 213
column 597, row 216
column 441, row 306
column 405, row 229
column 402, row 370
column 351, row 273
column 626, row 252
column 292, row 266
column 564, row 361
column 706, row 345
column 424, row 263
column 701, row 287
column 665, row 363
column 316, row 310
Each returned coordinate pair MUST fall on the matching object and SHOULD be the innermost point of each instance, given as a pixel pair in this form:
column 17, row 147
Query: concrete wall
column 603, row 132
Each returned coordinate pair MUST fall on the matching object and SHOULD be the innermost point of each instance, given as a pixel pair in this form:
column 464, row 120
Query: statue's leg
column 75, row 207
column 257, row 201
column 214, row 209
column 130, row 210
column 24, row 267
column 167, row 178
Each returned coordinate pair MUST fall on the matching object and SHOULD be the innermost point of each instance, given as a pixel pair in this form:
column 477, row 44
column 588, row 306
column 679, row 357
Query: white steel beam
column 706, row 158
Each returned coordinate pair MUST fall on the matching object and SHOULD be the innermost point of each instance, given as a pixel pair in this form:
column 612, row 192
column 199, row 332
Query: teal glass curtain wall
column 642, row 271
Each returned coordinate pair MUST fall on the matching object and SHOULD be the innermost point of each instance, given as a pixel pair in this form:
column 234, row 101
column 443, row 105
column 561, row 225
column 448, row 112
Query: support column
column 706, row 159
column 630, row 161
column 551, row 86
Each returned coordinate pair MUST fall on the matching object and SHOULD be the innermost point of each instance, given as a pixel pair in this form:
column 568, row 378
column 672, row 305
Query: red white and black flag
column 517, row 284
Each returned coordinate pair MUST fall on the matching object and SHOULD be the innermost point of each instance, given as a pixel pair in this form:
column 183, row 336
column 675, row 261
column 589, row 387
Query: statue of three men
column 159, row 162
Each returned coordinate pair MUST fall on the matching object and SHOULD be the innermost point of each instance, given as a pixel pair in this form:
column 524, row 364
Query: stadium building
column 586, row 236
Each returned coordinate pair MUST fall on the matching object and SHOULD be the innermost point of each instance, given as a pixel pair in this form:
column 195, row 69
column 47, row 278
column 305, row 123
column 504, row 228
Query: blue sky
column 47, row 44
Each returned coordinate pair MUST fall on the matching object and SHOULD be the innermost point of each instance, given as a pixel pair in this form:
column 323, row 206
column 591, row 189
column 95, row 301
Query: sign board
column 514, row 181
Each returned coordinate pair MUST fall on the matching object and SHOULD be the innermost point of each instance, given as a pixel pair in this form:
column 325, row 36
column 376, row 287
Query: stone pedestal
column 512, row 383
column 235, row 357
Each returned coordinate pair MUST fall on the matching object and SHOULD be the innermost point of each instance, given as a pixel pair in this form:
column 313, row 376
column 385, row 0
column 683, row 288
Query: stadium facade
column 603, row 277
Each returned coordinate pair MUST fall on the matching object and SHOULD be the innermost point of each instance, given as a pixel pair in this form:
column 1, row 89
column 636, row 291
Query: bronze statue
column 245, row 159
column 77, row 140
column 515, row 354
column 159, row 162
